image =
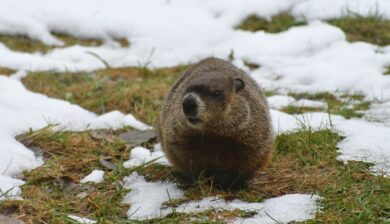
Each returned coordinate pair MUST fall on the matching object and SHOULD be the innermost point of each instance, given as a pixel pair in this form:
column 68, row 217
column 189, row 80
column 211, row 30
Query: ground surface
column 79, row 95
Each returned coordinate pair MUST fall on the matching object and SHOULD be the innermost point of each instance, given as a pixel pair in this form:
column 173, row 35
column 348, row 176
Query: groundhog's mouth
column 194, row 120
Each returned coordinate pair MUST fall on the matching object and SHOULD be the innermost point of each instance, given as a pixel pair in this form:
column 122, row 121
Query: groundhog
column 215, row 121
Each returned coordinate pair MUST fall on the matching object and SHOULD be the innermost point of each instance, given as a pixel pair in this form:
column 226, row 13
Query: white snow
column 21, row 110
column 379, row 112
column 116, row 120
column 140, row 155
column 95, row 176
column 309, row 103
column 280, row 101
column 308, row 58
column 19, row 75
column 311, row 58
column 82, row 220
column 327, row 9
column 9, row 187
column 283, row 209
column 283, row 122
column 364, row 141
column 146, row 198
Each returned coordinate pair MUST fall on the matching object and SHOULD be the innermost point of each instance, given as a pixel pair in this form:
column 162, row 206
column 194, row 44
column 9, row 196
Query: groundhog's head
column 208, row 99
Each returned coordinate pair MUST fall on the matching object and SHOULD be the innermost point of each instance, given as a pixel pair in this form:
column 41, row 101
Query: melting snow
column 82, row 220
column 95, row 176
column 9, row 187
column 21, row 110
column 140, row 155
column 146, row 198
column 311, row 58
column 365, row 141
column 283, row 209
column 280, row 101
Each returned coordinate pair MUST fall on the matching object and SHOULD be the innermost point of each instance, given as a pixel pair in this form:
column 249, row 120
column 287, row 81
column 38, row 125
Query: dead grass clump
column 373, row 29
column 276, row 24
column 25, row 44
column 6, row 71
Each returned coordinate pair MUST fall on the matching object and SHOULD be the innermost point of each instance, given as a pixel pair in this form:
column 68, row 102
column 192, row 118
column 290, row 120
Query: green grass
column 348, row 106
column 304, row 162
column 373, row 29
column 291, row 109
column 277, row 23
column 6, row 71
column 387, row 71
column 131, row 90
column 53, row 191
column 351, row 194
column 25, row 44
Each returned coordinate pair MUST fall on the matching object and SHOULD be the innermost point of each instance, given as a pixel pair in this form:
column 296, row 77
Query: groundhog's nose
column 190, row 107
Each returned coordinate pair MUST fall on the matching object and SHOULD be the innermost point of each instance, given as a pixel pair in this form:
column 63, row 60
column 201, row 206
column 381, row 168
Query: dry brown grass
column 52, row 191
column 139, row 91
column 277, row 23
column 25, row 44
column 348, row 106
column 6, row 71
column 304, row 162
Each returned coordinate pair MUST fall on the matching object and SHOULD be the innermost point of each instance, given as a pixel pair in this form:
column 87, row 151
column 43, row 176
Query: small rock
column 134, row 137
column 87, row 188
column 103, row 134
column 82, row 195
column 64, row 182
column 107, row 164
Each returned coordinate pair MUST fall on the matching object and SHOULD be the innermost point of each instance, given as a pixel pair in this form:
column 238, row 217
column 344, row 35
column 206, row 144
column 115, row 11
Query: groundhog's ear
column 239, row 84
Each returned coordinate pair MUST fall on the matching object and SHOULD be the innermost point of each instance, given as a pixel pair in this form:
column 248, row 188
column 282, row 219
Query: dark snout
column 190, row 106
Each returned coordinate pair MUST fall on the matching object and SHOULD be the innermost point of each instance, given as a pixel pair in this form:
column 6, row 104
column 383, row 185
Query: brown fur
column 234, row 138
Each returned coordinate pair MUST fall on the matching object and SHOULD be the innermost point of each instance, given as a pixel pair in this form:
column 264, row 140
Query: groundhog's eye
column 216, row 94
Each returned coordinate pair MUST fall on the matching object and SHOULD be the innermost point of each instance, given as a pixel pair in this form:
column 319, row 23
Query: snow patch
column 320, row 9
column 116, row 120
column 140, row 155
column 283, row 122
column 280, row 101
column 307, row 58
column 283, row 209
column 367, row 142
column 9, row 188
column 82, row 220
column 379, row 112
column 95, row 176
column 364, row 141
column 19, row 75
column 146, row 198
column 21, row 110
